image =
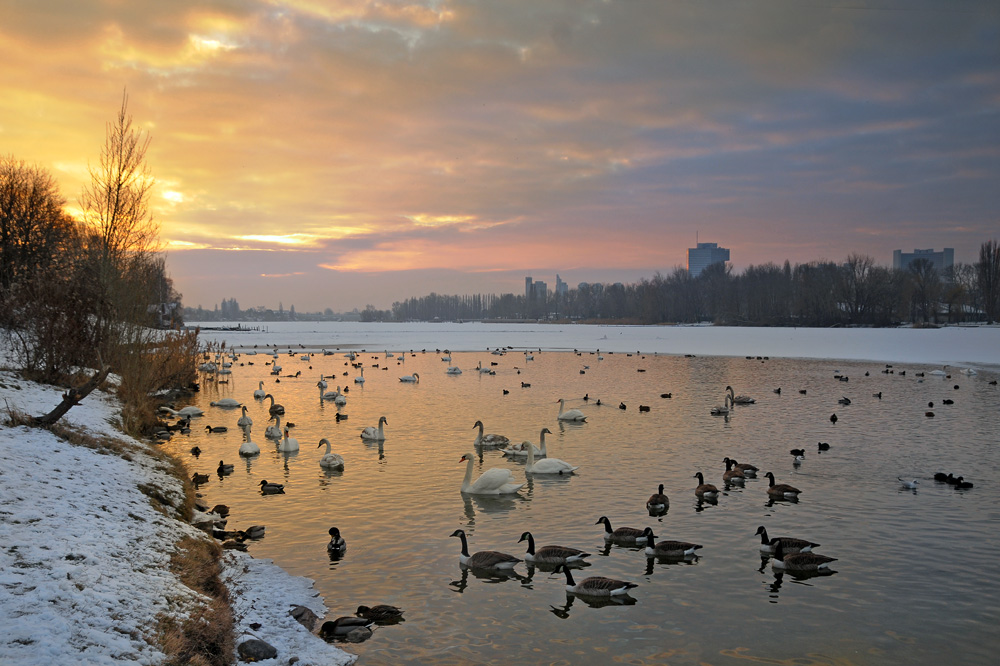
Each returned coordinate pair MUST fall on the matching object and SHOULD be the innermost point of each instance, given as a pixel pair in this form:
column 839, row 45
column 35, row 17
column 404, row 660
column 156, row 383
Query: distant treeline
column 855, row 293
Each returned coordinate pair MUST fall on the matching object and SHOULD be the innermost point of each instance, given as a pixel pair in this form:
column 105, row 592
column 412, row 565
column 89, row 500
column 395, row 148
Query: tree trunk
column 74, row 396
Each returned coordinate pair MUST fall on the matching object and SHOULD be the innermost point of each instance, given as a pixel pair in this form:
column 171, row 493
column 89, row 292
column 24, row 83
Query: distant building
column 529, row 290
column 943, row 260
column 703, row 256
column 540, row 289
column 561, row 287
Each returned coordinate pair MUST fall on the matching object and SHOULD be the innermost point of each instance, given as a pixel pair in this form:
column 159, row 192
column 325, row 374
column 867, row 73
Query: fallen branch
column 74, row 396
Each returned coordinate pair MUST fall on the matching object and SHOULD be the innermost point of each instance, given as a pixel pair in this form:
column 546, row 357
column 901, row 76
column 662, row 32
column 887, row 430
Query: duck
column 594, row 586
column 275, row 408
column 375, row 434
column 781, row 489
column 216, row 428
column 844, row 401
column 807, row 561
column 909, row 485
column 551, row 554
column 823, row 446
column 961, row 483
column 409, row 379
column 259, row 392
column 521, row 450
column 628, row 535
column 798, row 454
column 197, row 478
column 570, row 414
column 342, row 626
column 337, row 545
column 288, row 444
column 271, row 488
column 254, row 532
column 223, row 468
column 941, row 476
column 196, row 451
column 248, row 448
column 226, row 403
column 330, row 460
column 380, row 613
column 488, row 440
column 274, row 431
column 658, row 501
column 244, row 421
column 672, row 549
column 739, row 399
column 547, row 465
column 484, row 559
column 749, row 471
column 705, row 490
column 494, row 481
column 790, row 544
column 732, row 475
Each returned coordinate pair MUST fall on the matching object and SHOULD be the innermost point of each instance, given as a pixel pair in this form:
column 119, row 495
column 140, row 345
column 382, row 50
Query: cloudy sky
column 340, row 153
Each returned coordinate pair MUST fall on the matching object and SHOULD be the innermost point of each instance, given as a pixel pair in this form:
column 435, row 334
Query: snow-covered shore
column 84, row 555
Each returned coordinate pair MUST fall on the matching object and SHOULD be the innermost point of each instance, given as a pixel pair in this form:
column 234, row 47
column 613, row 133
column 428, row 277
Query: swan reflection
column 489, row 504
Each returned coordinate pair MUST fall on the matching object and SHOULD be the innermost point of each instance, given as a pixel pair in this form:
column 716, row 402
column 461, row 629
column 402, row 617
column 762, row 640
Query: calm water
column 917, row 576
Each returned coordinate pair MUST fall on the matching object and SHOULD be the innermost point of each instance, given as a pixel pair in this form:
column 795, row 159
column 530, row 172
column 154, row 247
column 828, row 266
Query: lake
column 915, row 577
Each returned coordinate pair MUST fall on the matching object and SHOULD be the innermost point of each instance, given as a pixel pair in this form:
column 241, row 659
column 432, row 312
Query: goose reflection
column 562, row 612
column 651, row 562
column 705, row 502
column 799, row 577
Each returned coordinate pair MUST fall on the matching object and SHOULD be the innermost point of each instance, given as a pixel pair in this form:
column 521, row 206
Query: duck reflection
column 562, row 612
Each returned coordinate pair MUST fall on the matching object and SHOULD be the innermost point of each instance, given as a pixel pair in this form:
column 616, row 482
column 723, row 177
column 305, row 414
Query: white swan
column 547, row 465
column 361, row 379
column 570, row 414
column 375, row 435
column 244, row 421
column 488, row 440
column 724, row 409
column 248, row 448
column 190, row 410
column 330, row 460
column 494, row 481
column 322, row 382
column 324, row 395
column 482, row 370
column 739, row 399
column 521, row 450
column 288, row 444
column 453, row 370
column 411, row 379
column 274, row 431
column 340, row 398
column 259, row 392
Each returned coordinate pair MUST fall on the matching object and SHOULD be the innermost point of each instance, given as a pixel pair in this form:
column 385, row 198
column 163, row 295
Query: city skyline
column 352, row 153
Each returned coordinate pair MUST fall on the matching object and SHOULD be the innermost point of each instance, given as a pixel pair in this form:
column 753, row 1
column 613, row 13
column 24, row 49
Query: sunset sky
column 338, row 154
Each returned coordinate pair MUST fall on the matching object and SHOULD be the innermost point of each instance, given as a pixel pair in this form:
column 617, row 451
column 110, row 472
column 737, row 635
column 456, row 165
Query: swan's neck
column 541, row 444
column 560, row 407
column 531, row 458
column 328, row 448
column 468, row 480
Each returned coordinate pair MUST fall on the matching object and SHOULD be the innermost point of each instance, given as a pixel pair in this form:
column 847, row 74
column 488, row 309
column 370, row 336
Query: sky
column 339, row 154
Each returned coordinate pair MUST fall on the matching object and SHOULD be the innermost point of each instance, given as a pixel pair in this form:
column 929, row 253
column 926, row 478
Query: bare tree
column 988, row 271
column 925, row 283
column 856, row 289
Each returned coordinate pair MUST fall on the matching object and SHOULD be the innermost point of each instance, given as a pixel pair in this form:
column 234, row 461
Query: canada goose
column 488, row 440
column 223, row 468
column 732, row 475
column 628, row 535
column 673, row 549
column 484, row 559
column 197, row 478
column 739, row 399
column 569, row 414
column 216, row 428
column 909, row 485
column 807, row 561
column 749, row 471
column 337, row 545
column 594, row 586
column 344, row 625
column 330, row 460
column 380, row 613
column 275, row 408
column 375, row 434
column 550, row 554
column 790, row 544
column 781, row 489
column 705, row 490
column 494, row 481
column 271, row 488
column 658, row 501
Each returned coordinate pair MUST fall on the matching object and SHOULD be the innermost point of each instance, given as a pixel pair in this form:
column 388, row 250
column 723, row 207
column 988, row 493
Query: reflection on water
column 396, row 501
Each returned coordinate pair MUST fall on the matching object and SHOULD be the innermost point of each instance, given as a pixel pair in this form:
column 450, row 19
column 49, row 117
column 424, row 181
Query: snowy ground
column 78, row 540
